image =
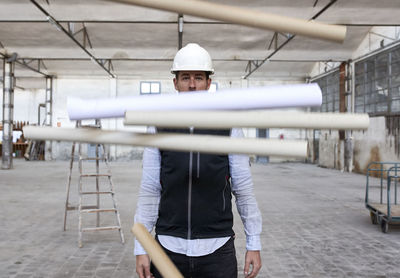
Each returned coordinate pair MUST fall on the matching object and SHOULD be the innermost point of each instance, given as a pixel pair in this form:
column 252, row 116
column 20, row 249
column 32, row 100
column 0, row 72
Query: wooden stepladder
column 99, row 156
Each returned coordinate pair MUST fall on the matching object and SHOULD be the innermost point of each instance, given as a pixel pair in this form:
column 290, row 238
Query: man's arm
column 147, row 205
column 242, row 188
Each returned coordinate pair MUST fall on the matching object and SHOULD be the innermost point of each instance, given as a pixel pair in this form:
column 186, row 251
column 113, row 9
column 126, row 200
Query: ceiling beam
column 61, row 28
column 22, row 62
column 392, row 24
column 250, row 71
column 116, row 21
column 108, row 60
column 171, row 59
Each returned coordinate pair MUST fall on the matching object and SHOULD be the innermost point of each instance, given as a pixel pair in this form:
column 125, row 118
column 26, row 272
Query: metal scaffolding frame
column 26, row 62
column 49, row 113
column 8, row 112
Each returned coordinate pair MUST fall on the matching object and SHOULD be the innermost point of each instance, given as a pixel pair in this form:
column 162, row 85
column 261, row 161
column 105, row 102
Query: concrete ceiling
column 142, row 42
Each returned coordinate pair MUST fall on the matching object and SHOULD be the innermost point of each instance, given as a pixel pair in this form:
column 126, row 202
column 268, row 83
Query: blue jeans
column 220, row 264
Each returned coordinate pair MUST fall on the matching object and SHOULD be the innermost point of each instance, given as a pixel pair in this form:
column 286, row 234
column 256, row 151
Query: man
column 187, row 196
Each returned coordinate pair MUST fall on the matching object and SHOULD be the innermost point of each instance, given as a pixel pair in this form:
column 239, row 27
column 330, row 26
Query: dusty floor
column 314, row 225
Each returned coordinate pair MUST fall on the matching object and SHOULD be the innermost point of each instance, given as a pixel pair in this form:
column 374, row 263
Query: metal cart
column 384, row 209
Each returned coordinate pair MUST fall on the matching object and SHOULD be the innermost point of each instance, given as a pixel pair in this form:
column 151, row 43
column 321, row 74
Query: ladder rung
column 92, row 158
column 92, row 126
column 101, row 228
column 97, row 192
column 83, row 207
column 95, row 175
column 98, row 210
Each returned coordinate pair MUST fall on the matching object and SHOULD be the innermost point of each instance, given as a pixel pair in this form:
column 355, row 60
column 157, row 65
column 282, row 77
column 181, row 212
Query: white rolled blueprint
column 279, row 96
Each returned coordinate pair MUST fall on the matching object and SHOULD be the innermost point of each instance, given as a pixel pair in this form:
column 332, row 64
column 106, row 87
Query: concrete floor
column 314, row 225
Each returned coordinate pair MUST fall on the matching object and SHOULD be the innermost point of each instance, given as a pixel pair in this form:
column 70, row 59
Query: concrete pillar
column 8, row 114
column 342, row 94
column 348, row 105
column 49, row 114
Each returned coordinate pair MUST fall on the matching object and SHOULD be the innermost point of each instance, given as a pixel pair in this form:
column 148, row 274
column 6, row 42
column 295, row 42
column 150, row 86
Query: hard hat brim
column 174, row 71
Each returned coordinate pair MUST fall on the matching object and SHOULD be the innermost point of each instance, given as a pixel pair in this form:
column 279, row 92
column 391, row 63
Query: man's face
column 192, row 81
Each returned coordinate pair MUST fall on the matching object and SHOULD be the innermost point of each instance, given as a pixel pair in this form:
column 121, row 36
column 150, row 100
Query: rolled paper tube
column 281, row 96
column 173, row 141
column 163, row 263
column 246, row 17
column 255, row 118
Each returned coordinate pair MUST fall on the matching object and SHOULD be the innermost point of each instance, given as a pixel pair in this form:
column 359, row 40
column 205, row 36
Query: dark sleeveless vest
column 195, row 192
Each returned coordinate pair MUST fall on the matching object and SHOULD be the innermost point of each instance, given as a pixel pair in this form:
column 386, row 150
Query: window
column 150, row 87
column 329, row 85
column 377, row 83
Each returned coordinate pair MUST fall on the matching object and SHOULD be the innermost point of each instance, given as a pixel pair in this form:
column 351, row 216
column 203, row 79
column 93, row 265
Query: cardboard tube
column 246, row 17
column 256, row 119
column 173, row 141
column 163, row 263
column 278, row 96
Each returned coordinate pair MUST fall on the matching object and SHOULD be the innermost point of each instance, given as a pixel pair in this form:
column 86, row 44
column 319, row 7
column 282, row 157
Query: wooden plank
column 394, row 209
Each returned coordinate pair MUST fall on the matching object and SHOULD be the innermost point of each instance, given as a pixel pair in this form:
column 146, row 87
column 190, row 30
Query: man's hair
column 207, row 75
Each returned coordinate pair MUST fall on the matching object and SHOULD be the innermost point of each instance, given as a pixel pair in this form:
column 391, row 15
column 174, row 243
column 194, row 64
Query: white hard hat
column 192, row 57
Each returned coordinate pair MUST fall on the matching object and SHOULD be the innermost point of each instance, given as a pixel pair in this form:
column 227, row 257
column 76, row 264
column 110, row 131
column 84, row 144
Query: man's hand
column 143, row 266
column 253, row 258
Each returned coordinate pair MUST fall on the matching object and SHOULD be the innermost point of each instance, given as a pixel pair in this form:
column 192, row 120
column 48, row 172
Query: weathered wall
column 379, row 143
column 331, row 150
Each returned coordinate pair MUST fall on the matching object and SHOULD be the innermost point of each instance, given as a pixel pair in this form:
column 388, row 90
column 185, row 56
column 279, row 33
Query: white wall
column 377, row 38
column 26, row 106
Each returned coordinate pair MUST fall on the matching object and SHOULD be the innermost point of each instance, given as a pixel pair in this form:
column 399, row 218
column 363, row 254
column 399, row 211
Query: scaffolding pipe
column 49, row 114
column 8, row 113
column 49, row 101
column 246, row 17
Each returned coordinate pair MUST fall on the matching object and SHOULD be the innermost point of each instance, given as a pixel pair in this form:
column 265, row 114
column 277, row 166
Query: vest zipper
column 198, row 165
column 223, row 195
column 190, row 191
